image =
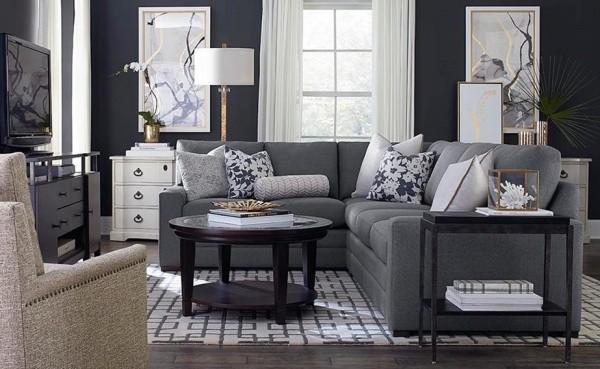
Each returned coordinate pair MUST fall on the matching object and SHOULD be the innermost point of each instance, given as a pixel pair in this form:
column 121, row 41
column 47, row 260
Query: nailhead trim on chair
column 80, row 284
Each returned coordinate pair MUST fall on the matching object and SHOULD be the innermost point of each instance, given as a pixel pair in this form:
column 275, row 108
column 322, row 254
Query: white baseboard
column 106, row 225
column 594, row 227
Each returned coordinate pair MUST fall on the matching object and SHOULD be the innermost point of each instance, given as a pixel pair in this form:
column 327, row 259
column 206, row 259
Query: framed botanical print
column 503, row 45
column 480, row 112
column 168, row 38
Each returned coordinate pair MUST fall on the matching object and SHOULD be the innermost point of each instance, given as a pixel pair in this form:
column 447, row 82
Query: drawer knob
column 138, row 219
column 77, row 189
column 56, row 226
column 165, row 167
column 77, row 215
column 138, row 195
column 138, row 172
column 64, row 221
column 62, row 194
column 563, row 174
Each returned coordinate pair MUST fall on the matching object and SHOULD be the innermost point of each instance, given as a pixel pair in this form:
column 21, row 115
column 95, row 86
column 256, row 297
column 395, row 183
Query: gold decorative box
column 513, row 189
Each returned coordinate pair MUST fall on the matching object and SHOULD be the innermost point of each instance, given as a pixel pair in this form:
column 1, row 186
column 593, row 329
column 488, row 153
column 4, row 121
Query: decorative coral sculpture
column 514, row 197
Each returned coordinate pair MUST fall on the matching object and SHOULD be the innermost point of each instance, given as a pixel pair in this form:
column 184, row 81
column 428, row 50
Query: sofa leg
column 404, row 334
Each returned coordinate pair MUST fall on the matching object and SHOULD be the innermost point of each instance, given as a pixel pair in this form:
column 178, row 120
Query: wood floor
column 351, row 357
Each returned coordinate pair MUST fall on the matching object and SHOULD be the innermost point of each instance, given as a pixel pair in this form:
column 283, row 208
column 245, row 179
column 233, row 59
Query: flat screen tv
column 25, row 109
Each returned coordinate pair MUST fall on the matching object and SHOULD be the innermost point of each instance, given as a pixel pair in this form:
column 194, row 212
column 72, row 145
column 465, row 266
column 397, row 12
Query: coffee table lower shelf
column 445, row 307
column 249, row 295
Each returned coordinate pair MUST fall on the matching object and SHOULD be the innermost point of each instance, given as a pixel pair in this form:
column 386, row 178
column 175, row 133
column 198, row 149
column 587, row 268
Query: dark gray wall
column 114, row 99
column 568, row 27
column 17, row 18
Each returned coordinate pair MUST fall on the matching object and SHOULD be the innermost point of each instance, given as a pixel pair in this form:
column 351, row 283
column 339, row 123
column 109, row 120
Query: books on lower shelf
column 241, row 218
column 495, row 301
column 147, row 149
column 476, row 286
column 65, row 245
column 514, row 213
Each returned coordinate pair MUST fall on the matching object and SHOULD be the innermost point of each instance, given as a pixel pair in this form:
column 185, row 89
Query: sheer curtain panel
column 280, row 87
column 82, row 119
column 393, row 68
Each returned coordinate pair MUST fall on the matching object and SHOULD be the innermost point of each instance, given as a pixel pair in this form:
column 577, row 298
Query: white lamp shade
column 224, row 66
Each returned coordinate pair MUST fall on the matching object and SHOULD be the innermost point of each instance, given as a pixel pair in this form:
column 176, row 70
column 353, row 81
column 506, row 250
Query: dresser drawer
column 144, row 172
column 136, row 218
column 66, row 219
column 61, row 193
column 574, row 173
column 136, row 195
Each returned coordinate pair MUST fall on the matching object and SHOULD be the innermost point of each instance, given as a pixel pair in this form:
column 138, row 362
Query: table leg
column 434, row 255
column 309, row 263
column 421, row 282
column 280, row 274
column 224, row 262
column 547, row 253
column 569, row 294
column 187, row 254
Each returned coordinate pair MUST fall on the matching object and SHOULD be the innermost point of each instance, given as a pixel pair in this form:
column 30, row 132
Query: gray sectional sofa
column 378, row 242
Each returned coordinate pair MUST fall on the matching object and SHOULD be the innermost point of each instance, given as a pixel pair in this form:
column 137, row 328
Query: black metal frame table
column 251, row 295
column 439, row 222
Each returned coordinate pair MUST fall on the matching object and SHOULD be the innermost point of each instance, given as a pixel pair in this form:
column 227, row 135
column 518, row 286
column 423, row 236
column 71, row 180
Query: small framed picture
column 480, row 112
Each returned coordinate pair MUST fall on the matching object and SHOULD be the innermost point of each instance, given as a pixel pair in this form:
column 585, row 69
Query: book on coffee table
column 250, row 217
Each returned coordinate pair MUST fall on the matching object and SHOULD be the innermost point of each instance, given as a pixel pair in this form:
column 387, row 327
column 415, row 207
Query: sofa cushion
column 402, row 178
column 244, row 170
column 298, row 158
column 286, row 187
column 323, row 207
column 546, row 159
column 377, row 149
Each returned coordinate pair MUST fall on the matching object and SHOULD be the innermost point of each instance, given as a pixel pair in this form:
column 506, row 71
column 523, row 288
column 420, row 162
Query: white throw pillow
column 464, row 185
column 375, row 152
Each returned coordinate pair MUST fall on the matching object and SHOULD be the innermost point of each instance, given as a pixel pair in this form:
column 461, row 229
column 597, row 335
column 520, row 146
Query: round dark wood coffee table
column 251, row 295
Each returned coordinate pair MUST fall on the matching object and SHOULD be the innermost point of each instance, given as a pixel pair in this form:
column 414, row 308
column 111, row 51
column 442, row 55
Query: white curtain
column 82, row 116
column 393, row 68
column 49, row 35
column 280, row 88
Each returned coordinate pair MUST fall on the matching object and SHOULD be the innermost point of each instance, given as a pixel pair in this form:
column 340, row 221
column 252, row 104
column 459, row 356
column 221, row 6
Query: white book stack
column 494, row 295
column 146, row 149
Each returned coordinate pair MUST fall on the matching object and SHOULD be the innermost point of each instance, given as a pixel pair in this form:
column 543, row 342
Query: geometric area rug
column 341, row 315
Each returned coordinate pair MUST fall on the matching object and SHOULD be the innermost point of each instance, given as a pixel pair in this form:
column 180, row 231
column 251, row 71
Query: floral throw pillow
column 243, row 170
column 402, row 178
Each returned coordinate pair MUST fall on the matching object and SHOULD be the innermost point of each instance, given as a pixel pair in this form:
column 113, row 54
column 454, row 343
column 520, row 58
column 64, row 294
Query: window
column 336, row 101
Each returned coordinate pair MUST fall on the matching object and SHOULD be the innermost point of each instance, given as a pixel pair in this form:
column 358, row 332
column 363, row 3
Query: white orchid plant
column 150, row 118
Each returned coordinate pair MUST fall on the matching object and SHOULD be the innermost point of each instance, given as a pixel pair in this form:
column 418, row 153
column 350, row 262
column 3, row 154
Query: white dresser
column 577, row 171
column 136, row 184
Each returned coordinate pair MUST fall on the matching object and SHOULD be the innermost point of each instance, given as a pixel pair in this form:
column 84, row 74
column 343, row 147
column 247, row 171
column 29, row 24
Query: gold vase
column 541, row 130
column 151, row 132
column 526, row 137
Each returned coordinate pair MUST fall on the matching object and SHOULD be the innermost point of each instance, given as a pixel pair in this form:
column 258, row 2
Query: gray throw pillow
column 402, row 178
column 243, row 170
column 375, row 151
column 286, row 187
column 202, row 175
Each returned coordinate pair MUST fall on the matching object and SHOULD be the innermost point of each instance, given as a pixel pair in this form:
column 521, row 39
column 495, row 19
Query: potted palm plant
column 555, row 91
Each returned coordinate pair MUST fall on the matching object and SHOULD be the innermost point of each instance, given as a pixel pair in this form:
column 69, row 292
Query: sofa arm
column 98, row 306
column 566, row 200
column 171, row 202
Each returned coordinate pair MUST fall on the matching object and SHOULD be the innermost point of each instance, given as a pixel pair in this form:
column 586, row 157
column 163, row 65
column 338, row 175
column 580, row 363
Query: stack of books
column 494, row 295
column 514, row 213
column 146, row 149
column 272, row 218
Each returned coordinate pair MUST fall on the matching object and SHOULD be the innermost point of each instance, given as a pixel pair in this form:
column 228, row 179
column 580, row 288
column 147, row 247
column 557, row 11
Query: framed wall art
column 503, row 45
column 480, row 112
column 168, row 38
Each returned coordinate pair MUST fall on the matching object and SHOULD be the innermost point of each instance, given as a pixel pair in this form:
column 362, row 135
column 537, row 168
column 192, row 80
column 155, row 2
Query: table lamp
column 224, row 67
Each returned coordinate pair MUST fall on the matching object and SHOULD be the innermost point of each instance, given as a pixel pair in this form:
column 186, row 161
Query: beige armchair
column 88, row 315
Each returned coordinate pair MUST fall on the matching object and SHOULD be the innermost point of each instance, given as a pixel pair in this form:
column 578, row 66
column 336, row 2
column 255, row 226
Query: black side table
column 439, row 222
